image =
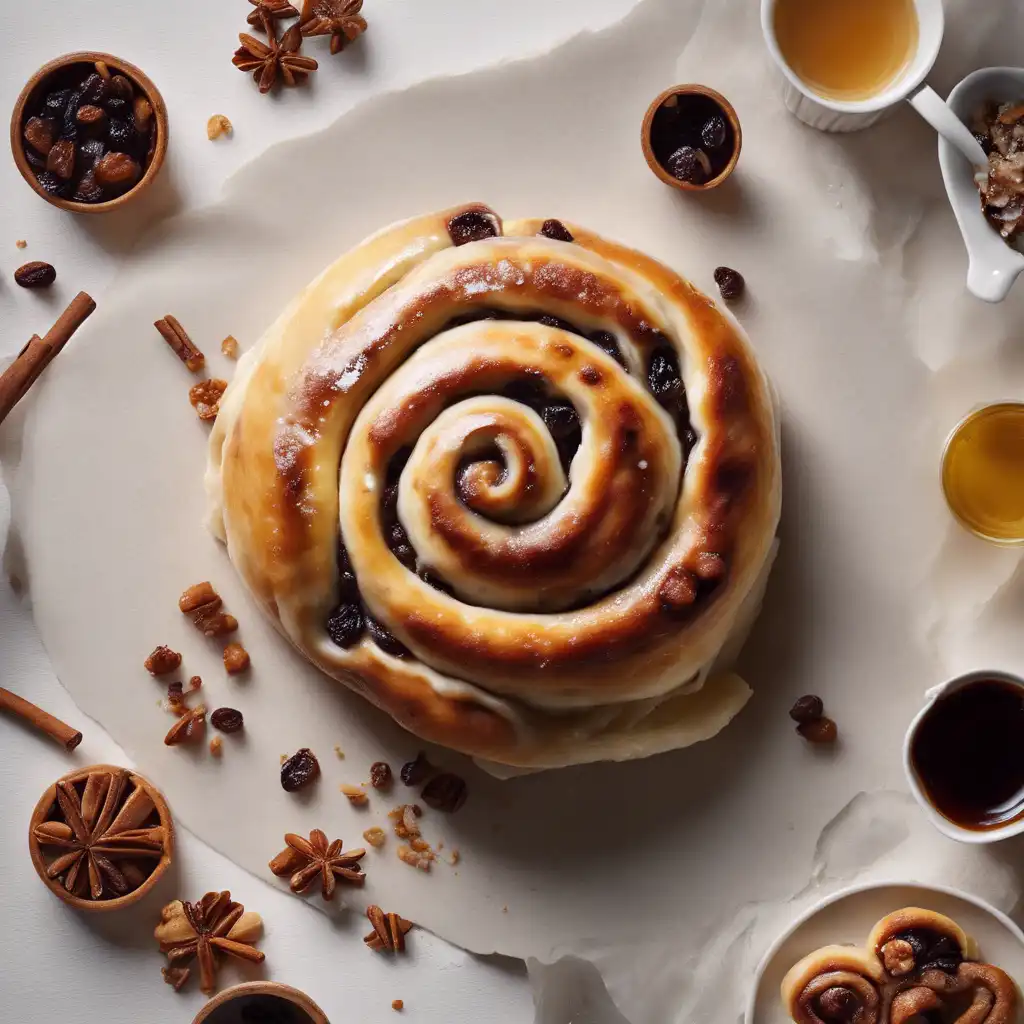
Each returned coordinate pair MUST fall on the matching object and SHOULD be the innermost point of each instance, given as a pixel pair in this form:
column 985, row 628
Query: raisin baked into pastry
column 515, row 484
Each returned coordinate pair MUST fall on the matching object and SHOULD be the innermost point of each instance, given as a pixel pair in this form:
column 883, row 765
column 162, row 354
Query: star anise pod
column 308, row 860
column 101, row 831
column 389, row 930
column 273, row 9
column 214, row 925
column 339, row 19
column 274, row 57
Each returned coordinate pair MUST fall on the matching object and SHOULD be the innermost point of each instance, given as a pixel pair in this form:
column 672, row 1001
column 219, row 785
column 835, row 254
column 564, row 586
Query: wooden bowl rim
column 691, row 89
column 263, row 988
column 42, row 809
column 139, row 78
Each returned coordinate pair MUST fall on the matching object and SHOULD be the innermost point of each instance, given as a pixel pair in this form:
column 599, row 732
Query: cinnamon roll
column 836, row 985
column 515, row 484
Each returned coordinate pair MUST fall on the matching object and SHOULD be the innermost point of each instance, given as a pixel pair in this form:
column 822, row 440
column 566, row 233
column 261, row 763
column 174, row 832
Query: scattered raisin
column 162, row 660
column 228, row 720
column 236, row 659
column 688, row 164
column 398, row 542
column 730, row 282
column 445, row 792
column 838, row 1004
column 471, row 226
column 380, row 775
column 346, row 625
column 713, row 132
column 299, row 770
column 663, row 376
column 35, row 275
column 821, row 730
column 415, row 772
column 555, row 321
column 119, row 88
column 807, row 709
column 557, row 230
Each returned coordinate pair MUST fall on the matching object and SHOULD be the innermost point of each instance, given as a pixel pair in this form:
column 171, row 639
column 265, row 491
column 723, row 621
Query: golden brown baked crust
column 582, row 623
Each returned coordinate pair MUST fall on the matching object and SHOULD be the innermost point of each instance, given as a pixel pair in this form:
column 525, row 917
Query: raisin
column 384, row 639
column 39, row 133
column 52, row 185
column 554, row 321
column 90, row 151
column 730, row 282
column 838, row 1004
column 821, row 730
column 557, row 230
column 142, row 114
column 117, row 107
column 117, row 171
column 713, row 132
column 807, row 709
column 415, row 772
column 685, row 164
column 120, row 136
column 398, row 542
column 346, row 625
column 299, row 770
column 561, row 419
column 61, row 159
column 120, row 88
column 35, row 275
column 56, row 103
column 445, row 792
column 663, row 376
column 606, row 342
column 228, row 720
column 917, row 939
column 93, row 89
column 380, row 775
column 92, row 119
column 35, row 160
column 69, row 126
column 471, row 226
column 432, row 579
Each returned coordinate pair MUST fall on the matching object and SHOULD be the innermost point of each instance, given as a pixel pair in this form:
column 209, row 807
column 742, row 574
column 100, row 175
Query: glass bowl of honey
column 983, row 472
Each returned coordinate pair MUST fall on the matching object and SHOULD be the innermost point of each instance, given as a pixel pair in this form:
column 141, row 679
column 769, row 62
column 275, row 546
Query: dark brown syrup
column 968, row 754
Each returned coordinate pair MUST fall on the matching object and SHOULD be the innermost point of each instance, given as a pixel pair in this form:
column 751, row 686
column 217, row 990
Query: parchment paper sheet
column 671, row 875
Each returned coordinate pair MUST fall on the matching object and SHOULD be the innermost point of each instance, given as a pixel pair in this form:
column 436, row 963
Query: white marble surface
column 56, row 965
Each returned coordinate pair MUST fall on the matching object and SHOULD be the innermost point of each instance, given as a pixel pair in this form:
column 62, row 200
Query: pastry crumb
column 284, row 757
column 229, row 347
column 217, row 126
column 455, row 857
column 504, row 909
column 21, row 243
column 397, row 1004
column 356, row 797
column 340, row 753
column 216, row 746
column 375, row 836
column 236, row 659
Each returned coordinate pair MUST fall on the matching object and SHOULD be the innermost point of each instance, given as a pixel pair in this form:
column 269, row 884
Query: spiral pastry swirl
column 514, row 483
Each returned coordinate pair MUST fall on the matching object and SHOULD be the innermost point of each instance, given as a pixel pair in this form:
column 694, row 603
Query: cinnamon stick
column 40, row 352
column 42, row 720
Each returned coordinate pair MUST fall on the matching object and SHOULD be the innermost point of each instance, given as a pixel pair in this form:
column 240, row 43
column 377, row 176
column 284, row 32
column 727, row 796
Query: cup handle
column 934, row 109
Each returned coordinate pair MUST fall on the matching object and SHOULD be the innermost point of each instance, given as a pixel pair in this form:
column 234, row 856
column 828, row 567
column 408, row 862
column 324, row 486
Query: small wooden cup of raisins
column 691, row 137
column 89, row 132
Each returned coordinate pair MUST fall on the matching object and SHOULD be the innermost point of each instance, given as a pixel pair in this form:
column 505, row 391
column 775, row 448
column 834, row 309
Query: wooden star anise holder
column 101, row 837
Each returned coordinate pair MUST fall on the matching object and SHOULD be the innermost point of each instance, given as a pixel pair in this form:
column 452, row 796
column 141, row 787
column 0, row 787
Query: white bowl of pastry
column 515, row 484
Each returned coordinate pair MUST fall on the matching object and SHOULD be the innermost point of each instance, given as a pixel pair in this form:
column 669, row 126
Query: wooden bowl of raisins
column 89, row 132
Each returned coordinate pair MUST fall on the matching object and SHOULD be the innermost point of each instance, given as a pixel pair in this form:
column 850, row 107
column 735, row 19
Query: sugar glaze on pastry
column 916, row 964
column 518, row 491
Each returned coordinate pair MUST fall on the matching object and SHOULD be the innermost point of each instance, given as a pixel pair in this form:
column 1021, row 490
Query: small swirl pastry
column 515, row 484
column 913, row 939
column 836, row 984
column 991, row 996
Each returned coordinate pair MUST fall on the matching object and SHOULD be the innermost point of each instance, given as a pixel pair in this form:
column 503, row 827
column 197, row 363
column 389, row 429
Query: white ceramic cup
column 851, row 115
column 940, row 821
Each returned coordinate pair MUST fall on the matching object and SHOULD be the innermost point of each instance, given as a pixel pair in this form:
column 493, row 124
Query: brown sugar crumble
column 162, row 661
column 356, row 796
column 375, row 836
column 229, row 347
column 216, row 746
column 236, row 659
column 205, row 397
column 397, row 1004
column 203, row 603
column 404, row 816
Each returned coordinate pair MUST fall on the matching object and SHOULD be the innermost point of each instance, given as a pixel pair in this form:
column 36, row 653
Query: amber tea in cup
column 983, row 472
column 846, row 49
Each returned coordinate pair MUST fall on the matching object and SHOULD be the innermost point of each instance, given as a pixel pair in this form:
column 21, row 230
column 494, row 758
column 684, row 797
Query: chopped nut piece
column 397, row 1004
column 21, row 243
column 213, row 622
column 389, row 930
column 229, row 347
column 181, row 344
column 380, row 775
column 898, row 957
column 404, row 816
column 356, row 797
column 318, row 859
column 216, row 746
column 176, row 976
column 198, row 595
column 416, row 858
column 189, row 726
column 161, row 661
column 217, row 126
column 236, row 659
column 375, row 836
column 205, row 397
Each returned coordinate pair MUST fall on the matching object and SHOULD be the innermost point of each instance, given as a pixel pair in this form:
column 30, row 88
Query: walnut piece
column 898, row 957
column 198, row 595
column 356, row 796
column 205, row 397
column 229, row 347
column 404, row 816
column 162, row 660
column 217, row 126
column 236, row 659
column 203, row 603
column 421, row 859
column 375, row 836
